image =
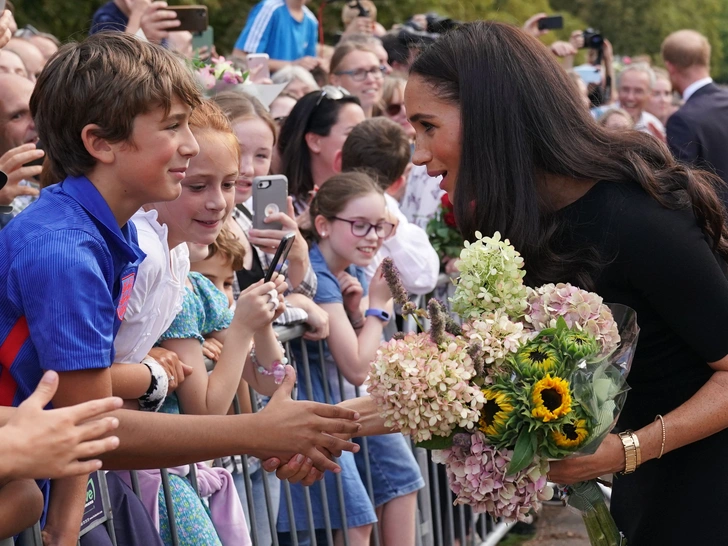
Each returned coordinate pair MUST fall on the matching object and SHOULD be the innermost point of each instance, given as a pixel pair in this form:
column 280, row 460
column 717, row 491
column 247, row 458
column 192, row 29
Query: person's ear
column 313, row 141
column 337, row 161
column 99, row 148
column 397, row 187
column 321, row 225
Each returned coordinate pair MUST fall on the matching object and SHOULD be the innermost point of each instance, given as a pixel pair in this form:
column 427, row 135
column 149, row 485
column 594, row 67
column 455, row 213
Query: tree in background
column 633, row 26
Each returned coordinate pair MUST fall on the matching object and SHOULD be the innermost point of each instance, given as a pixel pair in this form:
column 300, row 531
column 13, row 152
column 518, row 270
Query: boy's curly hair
column 229, row 247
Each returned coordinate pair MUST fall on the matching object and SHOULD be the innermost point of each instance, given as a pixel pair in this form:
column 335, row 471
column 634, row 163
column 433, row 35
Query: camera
column 437, row 24
column 593, row 39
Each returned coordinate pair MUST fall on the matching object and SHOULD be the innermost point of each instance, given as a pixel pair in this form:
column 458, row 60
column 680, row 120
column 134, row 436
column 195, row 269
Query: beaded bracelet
column 153, row 399
column 278, row 370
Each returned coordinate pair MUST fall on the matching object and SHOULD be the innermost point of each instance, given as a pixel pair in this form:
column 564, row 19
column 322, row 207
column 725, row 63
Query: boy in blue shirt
column 284, row 29
column 113, row 113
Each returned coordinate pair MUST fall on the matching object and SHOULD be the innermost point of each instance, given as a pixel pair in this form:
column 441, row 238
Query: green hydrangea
column 491, row 278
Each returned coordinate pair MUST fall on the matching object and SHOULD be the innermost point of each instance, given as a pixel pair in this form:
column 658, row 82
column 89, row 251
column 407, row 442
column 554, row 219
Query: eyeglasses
column 360, row 228
column 280, row 120
column 360, row 74
column 394, row 109
column 332, row 92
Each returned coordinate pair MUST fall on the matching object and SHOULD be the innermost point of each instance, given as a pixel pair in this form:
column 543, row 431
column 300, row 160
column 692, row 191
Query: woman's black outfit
column 660, row 263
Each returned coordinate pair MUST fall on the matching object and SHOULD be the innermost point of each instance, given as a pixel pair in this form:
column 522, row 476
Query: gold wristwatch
column 632, row 455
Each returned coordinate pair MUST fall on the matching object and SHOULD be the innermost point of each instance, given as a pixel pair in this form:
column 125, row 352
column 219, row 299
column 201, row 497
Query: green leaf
column 436, row 442
column 523, row 452
column 561, row 324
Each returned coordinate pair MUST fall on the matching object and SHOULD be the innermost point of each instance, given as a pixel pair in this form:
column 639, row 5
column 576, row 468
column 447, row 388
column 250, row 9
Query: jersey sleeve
column 61, row 282
column 258, row 28
column 670, row 262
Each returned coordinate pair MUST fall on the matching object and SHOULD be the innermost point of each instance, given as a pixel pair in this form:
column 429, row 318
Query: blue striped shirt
column 271, row 29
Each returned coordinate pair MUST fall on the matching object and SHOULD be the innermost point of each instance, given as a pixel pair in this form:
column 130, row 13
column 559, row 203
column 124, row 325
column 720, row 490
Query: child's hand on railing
column 212, row 348
column 301, row 427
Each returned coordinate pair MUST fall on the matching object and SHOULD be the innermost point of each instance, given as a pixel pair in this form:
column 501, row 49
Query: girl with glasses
column 356, row 68
column 314, row 131
column 348, row 225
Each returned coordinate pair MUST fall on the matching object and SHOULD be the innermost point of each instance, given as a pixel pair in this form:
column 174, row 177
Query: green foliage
column 633, row 26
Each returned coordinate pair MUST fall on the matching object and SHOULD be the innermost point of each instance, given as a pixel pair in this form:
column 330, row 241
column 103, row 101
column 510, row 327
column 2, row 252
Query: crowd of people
column 135, row 306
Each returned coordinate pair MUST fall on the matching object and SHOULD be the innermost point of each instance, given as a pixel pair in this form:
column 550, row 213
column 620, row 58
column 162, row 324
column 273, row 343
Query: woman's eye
column 427, row 126
column 196, row 188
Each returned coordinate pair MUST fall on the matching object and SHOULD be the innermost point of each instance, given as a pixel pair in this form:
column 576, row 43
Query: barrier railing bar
column 367, row 474
column 435, row 481
column 135, row 487
column 291, row 514
column 106, row 503
column 192, row 477
column 307, row 495
column 170, row 507
column 461, row 525
column 337, row 477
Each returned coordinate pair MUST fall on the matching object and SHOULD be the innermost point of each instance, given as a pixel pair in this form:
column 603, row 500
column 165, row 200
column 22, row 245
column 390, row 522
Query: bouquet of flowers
column 218, row 69
column 443, row 231
column 531, row 375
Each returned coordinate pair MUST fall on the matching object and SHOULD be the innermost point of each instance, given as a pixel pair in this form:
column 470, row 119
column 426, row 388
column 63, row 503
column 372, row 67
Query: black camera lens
column 593, row 39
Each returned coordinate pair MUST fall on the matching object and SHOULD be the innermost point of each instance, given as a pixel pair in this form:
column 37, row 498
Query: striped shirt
column 271, row 29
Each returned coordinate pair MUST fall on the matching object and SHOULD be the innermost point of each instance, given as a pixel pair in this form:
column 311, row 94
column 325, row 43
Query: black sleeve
column 681, row 139
column 669, row 261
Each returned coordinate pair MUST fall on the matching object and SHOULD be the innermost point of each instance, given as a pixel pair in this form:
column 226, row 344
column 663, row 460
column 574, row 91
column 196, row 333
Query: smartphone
column 270, row 195
column 588, row 74
column 36, row 162
column 258, row 64
column 191, row 18
column 204, row 39
column 279, row 258
column 551, row 22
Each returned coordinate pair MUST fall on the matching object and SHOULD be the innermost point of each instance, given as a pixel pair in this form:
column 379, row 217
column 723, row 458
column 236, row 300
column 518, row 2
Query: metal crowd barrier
column 438, row 522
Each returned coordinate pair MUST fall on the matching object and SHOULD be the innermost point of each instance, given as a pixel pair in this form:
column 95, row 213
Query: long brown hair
column 518, row 125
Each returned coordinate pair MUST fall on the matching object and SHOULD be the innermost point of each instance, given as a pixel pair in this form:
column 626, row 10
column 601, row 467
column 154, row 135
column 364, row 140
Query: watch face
column 3, row 179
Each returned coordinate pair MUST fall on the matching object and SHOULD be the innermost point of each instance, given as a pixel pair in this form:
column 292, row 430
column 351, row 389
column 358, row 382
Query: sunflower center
column 570, row 431
column 538, row 357
column 551, row 399
column 489, row 411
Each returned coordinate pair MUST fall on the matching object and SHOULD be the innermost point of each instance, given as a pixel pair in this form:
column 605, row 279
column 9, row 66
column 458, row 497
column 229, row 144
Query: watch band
column 381, row 314
column 632, row 454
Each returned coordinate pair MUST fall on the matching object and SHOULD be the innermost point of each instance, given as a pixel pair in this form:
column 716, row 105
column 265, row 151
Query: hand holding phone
column 270, row 195
column 280, row 256
column 551, row 22
column 191, row 18
column 258, row 65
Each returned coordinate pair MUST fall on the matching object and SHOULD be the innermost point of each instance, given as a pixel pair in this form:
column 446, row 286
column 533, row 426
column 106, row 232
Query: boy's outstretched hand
column 301, row 427
column 52, row 443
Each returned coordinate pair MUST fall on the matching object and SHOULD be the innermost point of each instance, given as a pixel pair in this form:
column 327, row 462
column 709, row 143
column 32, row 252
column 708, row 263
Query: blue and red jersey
column 68, row 272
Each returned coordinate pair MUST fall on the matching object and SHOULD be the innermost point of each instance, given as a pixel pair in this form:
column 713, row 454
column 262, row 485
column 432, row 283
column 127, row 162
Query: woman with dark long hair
column 312, row 134
column 610, row 211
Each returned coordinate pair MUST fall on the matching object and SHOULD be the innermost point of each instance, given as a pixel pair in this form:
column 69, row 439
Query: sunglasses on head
column 332, row 92
column 394, row 109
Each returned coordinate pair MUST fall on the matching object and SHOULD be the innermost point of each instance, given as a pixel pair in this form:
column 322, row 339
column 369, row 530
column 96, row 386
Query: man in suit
column 697, row 133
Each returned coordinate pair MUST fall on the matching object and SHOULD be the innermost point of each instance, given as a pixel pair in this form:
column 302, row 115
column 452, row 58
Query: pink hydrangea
column 477, row 476
column 424, row 389
column 581, row 310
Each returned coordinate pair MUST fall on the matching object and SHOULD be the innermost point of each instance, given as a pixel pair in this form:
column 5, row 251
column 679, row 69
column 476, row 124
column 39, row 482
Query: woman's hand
column 5, row 32
column 256, row 308
column 380, row 297
column 352, row 292
column 608, row 459
column 57, row 443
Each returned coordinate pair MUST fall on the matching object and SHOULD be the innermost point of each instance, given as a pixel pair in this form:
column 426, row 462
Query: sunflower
column 495, row 412
column 551, row 398
column 537, row 356
column 578, row 344
column 571, row 435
